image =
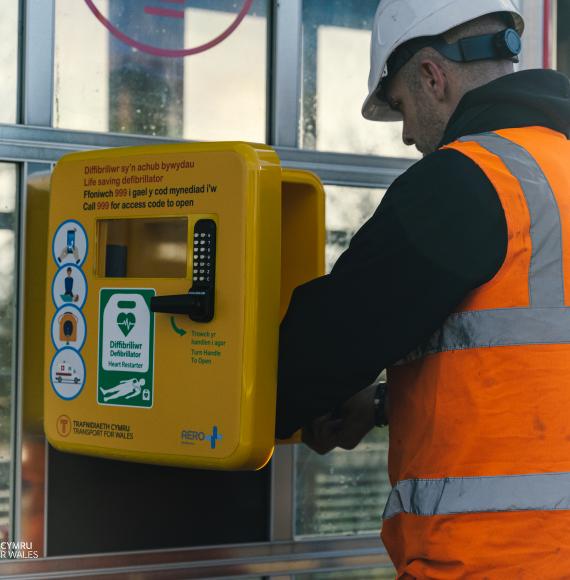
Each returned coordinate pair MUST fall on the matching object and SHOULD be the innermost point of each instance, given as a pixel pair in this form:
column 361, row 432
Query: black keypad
column 204, row 253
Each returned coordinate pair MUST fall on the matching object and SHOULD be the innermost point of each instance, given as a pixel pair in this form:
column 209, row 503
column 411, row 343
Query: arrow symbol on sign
column 177, row 330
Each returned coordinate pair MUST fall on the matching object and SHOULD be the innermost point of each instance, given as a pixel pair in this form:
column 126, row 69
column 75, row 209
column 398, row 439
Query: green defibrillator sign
column 126, row 348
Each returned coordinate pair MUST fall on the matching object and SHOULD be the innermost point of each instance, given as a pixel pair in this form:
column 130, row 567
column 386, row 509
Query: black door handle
column 198, row 304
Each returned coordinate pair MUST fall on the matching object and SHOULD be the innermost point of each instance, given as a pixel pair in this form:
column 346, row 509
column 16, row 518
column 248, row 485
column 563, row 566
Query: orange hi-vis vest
column 479, row 416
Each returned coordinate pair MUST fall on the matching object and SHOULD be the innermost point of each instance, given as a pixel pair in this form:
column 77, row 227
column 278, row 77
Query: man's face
column 424, row 124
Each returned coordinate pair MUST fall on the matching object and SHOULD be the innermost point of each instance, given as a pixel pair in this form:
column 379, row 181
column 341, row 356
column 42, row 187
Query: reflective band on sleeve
column 464, row 495
column 546, row 282
column 506, row 327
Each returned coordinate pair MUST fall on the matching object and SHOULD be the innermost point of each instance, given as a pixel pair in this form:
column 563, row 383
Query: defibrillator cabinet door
column 163, row 304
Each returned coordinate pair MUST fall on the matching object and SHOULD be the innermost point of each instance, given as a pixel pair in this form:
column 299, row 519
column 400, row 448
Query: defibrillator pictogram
column 126, row 347
column 126, row 322
column 68, row 328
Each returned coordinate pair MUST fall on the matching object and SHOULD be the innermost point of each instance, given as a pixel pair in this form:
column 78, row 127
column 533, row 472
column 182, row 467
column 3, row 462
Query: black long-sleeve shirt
column 439, row 233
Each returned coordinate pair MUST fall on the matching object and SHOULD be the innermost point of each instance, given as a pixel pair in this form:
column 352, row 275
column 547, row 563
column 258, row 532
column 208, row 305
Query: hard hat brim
column 375, row 109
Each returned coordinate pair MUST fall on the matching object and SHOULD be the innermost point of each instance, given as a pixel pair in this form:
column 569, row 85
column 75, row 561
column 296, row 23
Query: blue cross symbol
column 215, row 436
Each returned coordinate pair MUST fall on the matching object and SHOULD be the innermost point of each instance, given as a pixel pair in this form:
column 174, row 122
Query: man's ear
column 434, row 79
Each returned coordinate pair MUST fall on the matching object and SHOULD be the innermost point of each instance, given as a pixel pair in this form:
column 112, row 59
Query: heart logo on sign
column 126, row 322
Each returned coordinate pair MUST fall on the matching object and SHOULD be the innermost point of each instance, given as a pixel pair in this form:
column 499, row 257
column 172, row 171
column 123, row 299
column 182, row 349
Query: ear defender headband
column 506, row 44
column 503, row 45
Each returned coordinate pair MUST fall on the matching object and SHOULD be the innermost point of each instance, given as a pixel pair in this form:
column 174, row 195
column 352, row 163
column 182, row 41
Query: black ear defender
column 509, row 44
column 506, row 44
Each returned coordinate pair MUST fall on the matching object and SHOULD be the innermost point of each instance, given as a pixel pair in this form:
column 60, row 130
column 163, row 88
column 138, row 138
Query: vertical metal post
column 287, row 26
column 533, row 39
column 285, row 107
column 28, row 444
column 38, row 64
column 17, row 357
column 551, row 22
column 283, row 494
column 36, row 106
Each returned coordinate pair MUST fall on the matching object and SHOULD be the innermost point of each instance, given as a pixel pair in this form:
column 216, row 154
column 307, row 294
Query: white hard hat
column 398, row 21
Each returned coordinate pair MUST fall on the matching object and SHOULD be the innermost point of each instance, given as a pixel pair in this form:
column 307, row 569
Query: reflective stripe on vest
column 462, row 495
column 546, row 320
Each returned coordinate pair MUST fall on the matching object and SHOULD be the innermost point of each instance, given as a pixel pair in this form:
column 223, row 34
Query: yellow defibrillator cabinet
column 169, row 270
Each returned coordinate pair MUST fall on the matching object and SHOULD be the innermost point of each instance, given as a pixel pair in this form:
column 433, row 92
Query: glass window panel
column 343, row 492
column 9, row 62
column 347, row 208
column 109, row 84
column 8, row 185
column 564, row 36
column 336, row 57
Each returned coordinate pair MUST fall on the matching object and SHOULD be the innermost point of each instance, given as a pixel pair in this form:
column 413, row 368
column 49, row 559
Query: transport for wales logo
column 17, row 551
column 189, row 437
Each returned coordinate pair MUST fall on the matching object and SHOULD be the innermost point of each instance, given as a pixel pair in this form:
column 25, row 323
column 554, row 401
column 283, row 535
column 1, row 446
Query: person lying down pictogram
column 129, row 388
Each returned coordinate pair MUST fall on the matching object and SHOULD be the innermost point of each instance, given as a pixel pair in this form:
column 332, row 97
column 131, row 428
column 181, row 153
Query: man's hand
column 345, row 429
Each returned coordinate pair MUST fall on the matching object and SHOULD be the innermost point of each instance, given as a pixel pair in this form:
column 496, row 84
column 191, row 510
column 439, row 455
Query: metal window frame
column 286, row 100
column 38, row 50
column 554, row 33
column 282, row 559
column 35, row 141
column 17, row 357
column 533, row 38
column 21, row 143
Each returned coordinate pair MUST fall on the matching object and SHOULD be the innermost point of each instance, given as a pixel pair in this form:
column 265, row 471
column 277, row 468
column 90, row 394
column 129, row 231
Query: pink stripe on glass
column 164, row 12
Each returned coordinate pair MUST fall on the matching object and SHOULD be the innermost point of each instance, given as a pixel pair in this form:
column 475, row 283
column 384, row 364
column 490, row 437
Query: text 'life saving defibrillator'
column 169, row 269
